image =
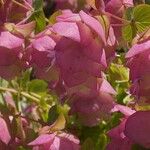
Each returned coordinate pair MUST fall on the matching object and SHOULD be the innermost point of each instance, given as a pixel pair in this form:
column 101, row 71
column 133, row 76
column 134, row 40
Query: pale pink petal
column 137, row 128
column 10, row 41
column 67, row 29
column 123, row 109
column 4, row 133
column 94, row 24
column 42, row 139
column 138, row 48
column 106, row 87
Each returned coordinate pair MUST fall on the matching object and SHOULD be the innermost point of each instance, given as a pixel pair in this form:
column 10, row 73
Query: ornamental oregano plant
column 74, row 74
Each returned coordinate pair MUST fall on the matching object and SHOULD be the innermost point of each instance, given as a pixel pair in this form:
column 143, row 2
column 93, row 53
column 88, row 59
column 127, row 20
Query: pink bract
column 52, row 141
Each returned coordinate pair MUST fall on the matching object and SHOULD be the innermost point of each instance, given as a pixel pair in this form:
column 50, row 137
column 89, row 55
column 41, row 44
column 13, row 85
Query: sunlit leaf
column 37, row 86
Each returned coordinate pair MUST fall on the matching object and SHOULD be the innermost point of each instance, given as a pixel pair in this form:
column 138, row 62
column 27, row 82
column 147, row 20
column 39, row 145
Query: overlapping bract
column 10, row 47
column 138, row 60
column 72, row 55
column 133, row 129
column 55, row 142
column 81, row 57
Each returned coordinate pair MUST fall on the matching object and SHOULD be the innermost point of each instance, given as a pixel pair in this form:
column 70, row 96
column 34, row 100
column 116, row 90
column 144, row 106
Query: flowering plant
column 74, row 75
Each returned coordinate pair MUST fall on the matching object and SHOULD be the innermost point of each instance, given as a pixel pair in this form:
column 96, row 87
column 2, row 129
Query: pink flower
column 92, row 103
column 4, row 132
column 62, row 141
column 76, row 65
column 81, row 58
column 138, row 60
column 91, row 110
column 41, row 56
column 117, row 8
column 118, row 138
column 133, row 129
column 65, row 4
column 137, row 128
column 11, row 51
column 77, row 59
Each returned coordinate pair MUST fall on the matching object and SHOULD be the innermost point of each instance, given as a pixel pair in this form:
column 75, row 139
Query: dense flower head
column 81, row 57
column 77, row 59
column 133, row 129
column 91, row 110
column 138, row 60
column 118, row 138
column 42, row 48
column 11, row 47
column 137, row 128
column 71, row 78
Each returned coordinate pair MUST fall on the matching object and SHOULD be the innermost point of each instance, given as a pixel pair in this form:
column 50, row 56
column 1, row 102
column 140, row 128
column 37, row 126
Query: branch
column 25, row 94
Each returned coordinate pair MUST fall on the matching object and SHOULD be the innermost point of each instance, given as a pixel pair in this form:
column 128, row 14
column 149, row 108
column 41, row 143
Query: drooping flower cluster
column 138, row 60
column 74, row 52
column 81, row 58
column 70, row 54
column 133, row 129
column 12, row 40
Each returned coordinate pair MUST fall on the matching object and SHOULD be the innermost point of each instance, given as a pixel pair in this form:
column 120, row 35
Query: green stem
column 116, row 17
column 25, row 94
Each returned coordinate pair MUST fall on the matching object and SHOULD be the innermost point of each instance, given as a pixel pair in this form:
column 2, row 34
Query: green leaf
column 38, row 15
column 25, row 78
column 102, row 142
column 139, row 18
column 37, row 86
column 30, row 135
column 22, row 148
column 118, row 73
column 38, row 4
column 53, row 17
column 91, row 132
column 59, row 124
column 88, row 145
column 53, row 114
column 141, row 15
column 127, row 33
column 39, row 18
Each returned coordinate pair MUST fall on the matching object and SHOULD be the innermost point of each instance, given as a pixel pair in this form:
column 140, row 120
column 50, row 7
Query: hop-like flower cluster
column 138, row 60
column 72, row 54
column 82, row 55
column 133, row 129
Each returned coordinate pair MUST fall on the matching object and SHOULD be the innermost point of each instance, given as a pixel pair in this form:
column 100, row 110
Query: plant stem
column 28, row 4
column 21, row 5
column 116, row 17
column 25, row 94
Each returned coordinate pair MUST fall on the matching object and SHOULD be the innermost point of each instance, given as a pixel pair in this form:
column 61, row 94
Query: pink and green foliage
column 78, row 79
